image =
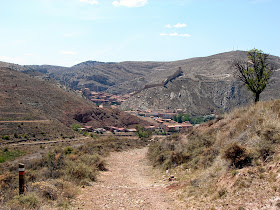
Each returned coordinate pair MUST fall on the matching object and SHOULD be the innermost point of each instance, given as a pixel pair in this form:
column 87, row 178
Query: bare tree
column 255, row 72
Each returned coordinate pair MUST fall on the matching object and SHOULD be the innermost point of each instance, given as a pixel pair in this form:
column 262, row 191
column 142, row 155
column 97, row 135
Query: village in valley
column 163, row 122
column 103, row 99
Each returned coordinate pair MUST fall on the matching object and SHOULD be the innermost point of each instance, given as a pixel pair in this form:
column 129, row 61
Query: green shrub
column 68, row 150
column 6, row 155
column 142, row 133
column 76, row 127
column 6, row 137
column 85, row 133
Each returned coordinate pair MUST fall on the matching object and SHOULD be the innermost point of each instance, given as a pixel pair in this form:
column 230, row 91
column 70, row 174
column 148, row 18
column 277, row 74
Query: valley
column 168, row 135
column 139, row 104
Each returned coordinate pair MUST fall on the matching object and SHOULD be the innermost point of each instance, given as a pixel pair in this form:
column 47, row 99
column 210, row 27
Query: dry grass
column 237, row 155
column 52, row 180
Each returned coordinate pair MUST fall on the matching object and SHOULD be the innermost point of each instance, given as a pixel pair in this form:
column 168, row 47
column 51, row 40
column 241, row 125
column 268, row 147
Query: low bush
column 94, row 160
column 29, row 201
column 55, row 163
column 172, row 151
column 68, row 150
column 76, row 127
column 265, row 149
column 6, row 137
column 7, row 155
column 52, row 178
column 238, row 155
column 80, row 171
column 143, row 133
column 85, row 133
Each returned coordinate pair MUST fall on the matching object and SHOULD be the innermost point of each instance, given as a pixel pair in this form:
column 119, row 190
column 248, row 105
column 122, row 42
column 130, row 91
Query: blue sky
column 67, row 32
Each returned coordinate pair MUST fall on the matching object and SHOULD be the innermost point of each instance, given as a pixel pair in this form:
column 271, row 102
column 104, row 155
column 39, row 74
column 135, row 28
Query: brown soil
column 129, row 183
column 25, row 121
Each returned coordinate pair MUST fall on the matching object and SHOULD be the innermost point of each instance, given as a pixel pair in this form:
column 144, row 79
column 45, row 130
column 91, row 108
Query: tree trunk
column 257, row 97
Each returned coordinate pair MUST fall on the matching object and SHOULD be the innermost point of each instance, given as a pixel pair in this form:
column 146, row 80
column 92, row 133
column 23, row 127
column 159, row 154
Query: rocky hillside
column 33, row 106
column 207, row 86
column 117, row 78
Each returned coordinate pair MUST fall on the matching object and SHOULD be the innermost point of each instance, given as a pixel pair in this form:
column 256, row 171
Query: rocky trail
column 129, row 183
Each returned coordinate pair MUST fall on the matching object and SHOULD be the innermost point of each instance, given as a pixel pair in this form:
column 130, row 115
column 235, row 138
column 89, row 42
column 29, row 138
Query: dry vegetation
column 232, row 162
column 51, row 181
column 35, row 109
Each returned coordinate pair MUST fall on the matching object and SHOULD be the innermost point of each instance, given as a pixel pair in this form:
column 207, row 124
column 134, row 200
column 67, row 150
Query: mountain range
column 205, row 84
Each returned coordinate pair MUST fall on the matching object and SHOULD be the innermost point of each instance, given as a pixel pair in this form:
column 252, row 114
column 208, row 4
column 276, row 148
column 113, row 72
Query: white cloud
column 92, row 2
column 130, row 3
column 175, row 34
column 16, row 60
column 184, row 35
column 65, row 52
column 180, row 25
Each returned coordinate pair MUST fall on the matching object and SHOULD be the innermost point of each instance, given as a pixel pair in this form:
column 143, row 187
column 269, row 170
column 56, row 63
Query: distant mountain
column 117, row 78
column 49, row 108
column 206, row 84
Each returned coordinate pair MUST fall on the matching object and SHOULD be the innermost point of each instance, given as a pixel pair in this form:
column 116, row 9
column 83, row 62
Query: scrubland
column 232, row 162
column 53, row 180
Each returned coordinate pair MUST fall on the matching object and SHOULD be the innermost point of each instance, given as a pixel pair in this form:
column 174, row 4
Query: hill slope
column 229, row 163
column 51, row 109
column 207, row 85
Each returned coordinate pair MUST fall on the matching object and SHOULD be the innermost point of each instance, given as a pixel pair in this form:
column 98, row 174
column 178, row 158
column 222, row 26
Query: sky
column 67, row 32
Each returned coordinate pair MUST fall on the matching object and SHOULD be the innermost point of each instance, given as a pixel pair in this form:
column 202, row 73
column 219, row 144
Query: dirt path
column 128, row 184
column 25, row 121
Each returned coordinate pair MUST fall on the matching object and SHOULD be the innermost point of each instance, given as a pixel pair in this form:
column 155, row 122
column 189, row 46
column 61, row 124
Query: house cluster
column 165, row 119
column 104, row 100
column 163, row 126
column 91, row 129
column 172, row 126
